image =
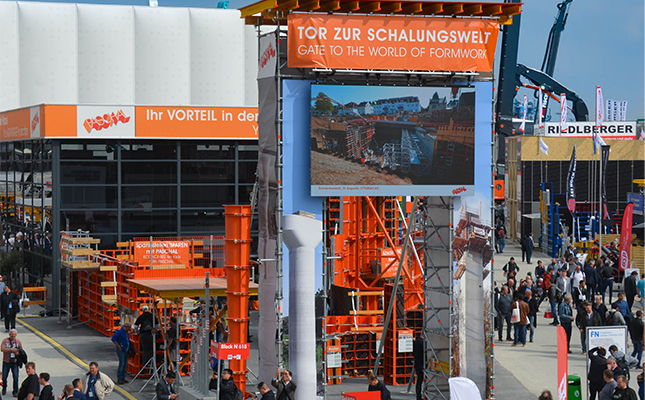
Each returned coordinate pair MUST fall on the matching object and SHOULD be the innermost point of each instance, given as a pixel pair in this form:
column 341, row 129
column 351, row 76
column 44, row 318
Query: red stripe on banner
column 626, row 237
column 563, row 366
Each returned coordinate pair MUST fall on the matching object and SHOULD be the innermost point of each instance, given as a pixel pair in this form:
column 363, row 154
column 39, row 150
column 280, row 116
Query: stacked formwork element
column 358, row 138
column 237, row 264
column 438, row 308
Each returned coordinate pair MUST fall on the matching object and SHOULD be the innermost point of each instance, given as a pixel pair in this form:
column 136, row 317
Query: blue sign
column 637, row 199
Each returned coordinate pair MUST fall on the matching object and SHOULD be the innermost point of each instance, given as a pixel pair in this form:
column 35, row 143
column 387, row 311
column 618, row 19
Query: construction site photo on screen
column 392, row 140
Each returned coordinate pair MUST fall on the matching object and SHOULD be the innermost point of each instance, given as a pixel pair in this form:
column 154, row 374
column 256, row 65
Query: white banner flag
column 642, row 134
column 563, row 112
column 523, row 125
column 599, row 106
column 600, row 142
column 623, row 111
column 543, row 147
column 609, row 115
column 616, row 110
column 540, row 111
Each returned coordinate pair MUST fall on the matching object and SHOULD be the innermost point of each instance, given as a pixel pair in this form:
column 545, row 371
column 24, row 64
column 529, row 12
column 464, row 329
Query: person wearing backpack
column 145, row 327
column 286, row 386
column 614, row 317
column 624, row 361
column 227, row 388
column 500, row 235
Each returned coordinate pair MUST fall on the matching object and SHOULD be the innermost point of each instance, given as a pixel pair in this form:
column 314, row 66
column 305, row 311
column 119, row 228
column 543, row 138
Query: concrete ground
column 520, row 372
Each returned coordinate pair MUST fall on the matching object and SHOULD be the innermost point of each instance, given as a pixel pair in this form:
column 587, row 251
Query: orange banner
column 391, row 43
column 197, row 122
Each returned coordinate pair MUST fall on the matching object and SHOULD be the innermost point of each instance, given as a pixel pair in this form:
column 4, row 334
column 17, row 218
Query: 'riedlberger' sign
column 391, row 43
column 611, row 130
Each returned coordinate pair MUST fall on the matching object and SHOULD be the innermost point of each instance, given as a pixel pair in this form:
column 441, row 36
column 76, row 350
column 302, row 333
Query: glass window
column 207, row 196
column 247, row 151
column 201, row 222
column 90, row 220
column 148, row 197
column 149, row 172
column 247, row 171
column 88, row 196
column 156, row 222
column 207, row 172
column 204, row 150
column 149, row 150
column 97, row 150
column 88, row 173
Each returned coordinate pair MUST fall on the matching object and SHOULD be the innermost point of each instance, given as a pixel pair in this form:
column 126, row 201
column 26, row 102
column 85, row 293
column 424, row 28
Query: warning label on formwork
column 162, row 252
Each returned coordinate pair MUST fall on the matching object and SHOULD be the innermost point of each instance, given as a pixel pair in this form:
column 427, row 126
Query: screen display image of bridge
column 392, row 140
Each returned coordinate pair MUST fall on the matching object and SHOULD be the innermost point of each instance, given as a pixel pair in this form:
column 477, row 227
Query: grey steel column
column 56, row 198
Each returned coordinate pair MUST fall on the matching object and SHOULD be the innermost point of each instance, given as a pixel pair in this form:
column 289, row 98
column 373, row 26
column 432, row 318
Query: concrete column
column 302, row 234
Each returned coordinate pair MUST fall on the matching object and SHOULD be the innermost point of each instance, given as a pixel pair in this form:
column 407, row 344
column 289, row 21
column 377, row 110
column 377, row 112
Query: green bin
column 575, row 389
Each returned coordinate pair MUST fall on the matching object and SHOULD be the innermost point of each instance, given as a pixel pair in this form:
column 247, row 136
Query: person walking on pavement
column 597, row 365
column 10, row 303
column 30, row 387
column 610, row 385
column 524, row 247
column 592, row 279
column 631, row 289
column 121, row 340
column 614, row 317
column 530, row 244
column 563, row 284
column 624, row 307
column 636, row 332
column 504, row 305
column 566, row 317
column 10, row 348
column 584, row 318
column 641, row 289
column 553, row 300
column 607, row 275
column 97, row 384
column 520, row 326
column 533, row 303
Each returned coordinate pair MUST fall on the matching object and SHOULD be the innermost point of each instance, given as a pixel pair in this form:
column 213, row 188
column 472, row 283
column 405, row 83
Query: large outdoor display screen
column 392, row 141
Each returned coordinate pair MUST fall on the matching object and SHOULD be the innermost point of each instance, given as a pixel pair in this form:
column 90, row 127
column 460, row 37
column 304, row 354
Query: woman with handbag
column 519, row 318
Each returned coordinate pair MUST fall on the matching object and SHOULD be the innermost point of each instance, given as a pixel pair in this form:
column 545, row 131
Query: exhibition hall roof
column 272, row 12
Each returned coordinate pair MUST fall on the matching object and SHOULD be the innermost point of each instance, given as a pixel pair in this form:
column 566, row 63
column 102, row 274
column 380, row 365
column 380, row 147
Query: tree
column 323, row 104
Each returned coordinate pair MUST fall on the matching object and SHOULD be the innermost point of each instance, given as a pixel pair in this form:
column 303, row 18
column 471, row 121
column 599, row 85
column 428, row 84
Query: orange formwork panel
column 237, row 265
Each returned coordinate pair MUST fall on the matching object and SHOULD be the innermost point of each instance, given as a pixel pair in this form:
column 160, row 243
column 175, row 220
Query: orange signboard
column 197, row 122
column 167, row 252
column 391, row 43
column 15, row 124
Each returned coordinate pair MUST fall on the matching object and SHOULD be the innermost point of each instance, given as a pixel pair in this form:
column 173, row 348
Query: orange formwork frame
column 237, row 265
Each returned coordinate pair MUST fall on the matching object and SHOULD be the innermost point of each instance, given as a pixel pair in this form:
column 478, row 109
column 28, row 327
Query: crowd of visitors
column 576, row 293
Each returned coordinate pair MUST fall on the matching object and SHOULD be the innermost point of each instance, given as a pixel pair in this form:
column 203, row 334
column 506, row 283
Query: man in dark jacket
column 586, row 317
column 418, row 350
column 145, row 324
column 286, row 385
column 597, row 364
column 265, row 391
column 630, row 288
column 533, row 303
column 623, row 392
column 227, row 388
column 504, row 304
column 636, row 332
column 591, row 276
column 377, row 386
column 600, row 308
column 164, row 389
column 10, row 303
column 607, row 276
